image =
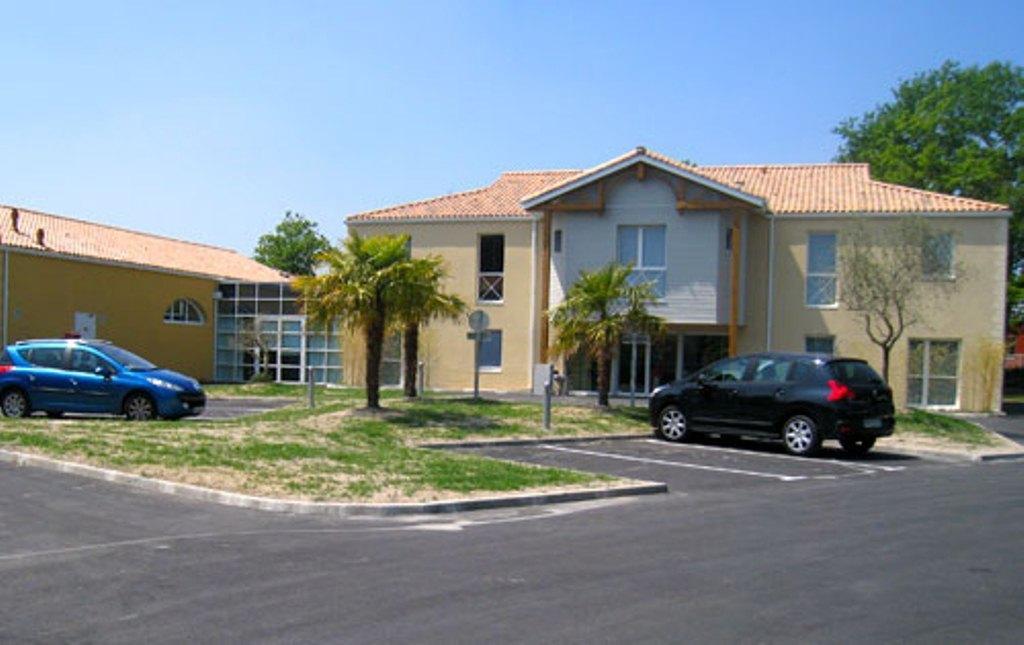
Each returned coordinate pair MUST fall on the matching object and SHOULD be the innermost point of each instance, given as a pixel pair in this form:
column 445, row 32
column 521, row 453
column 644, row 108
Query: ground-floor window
column 391, row 361
column 932, row 373
column 820, row 344
column 490, row 351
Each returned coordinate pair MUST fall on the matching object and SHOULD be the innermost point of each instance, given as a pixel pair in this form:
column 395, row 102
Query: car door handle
column 779, row 393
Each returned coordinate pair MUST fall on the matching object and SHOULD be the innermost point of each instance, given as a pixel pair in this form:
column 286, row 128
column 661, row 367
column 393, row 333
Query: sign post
column 478, row 322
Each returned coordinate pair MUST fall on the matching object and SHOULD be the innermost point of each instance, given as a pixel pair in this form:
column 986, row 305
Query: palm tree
column 598, row 309
column 421, row 300
column 361, row 288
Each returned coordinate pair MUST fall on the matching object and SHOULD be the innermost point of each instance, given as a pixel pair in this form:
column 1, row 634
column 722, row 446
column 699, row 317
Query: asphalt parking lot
column 234, row 408
column 703, row 465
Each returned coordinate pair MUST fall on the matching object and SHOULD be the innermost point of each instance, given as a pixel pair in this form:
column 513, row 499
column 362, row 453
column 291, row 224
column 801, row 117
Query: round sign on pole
column 479, row 320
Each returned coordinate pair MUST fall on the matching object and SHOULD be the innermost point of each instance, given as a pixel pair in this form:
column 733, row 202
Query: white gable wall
column 695, row 246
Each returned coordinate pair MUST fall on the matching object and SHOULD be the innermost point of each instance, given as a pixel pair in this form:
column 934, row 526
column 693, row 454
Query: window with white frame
column 644, row 248
column 491, row 275
column 937, row 256
column 821, row 270
column 185, row 312
column 820, row 344
column 490, row 350
column 932, row 373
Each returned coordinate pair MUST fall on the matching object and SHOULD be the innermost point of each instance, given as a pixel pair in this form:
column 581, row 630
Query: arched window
column 184, row 312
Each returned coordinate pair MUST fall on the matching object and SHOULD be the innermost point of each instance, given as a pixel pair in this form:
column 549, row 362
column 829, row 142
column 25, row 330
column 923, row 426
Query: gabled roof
column 87, row 240
column 823, row 188
column 635, row 156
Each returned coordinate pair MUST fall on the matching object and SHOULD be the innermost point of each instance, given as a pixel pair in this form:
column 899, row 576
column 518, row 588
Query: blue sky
column 207, row 121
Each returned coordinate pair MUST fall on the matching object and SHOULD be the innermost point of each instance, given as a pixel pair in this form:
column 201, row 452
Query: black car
column 799, row 398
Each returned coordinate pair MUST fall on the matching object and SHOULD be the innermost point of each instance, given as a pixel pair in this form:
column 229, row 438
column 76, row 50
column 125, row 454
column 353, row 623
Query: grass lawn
column 942, row 427
column 330, row 453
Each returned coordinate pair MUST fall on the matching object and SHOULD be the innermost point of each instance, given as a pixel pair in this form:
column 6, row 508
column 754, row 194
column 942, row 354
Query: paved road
column 920, row 551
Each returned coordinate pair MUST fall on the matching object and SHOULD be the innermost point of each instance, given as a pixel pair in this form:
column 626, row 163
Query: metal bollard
column 547, row 404
column 310, row 388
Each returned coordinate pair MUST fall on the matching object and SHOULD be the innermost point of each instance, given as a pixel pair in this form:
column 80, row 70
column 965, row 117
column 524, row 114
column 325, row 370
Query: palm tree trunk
column 411, row 345
column 374, row 350
column 604, row 368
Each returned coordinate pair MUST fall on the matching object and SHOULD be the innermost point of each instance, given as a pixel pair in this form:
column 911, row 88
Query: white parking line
column 740, row 451
column 677, row 464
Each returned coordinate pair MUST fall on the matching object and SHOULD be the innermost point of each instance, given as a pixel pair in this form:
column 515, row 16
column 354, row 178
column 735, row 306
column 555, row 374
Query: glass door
column 634, row 365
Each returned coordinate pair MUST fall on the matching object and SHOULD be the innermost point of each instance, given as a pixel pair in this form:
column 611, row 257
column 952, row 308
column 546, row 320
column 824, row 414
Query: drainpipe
column 533, row 298
column 771, row 282
column 6, row 287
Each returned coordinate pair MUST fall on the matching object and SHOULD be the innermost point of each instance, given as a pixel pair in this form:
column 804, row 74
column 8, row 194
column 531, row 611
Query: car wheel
column 857, row 447
column 139, row 407
column 800, row 434
column 672, row 424
column 15, row 404
column 55, row 415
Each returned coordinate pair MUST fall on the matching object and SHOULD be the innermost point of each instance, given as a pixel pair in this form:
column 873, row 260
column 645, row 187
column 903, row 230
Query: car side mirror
column 103, row 371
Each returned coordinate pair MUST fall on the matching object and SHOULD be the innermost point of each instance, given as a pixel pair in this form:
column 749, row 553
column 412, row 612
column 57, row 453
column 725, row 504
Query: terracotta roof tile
column 787, row 189
column 77, row 238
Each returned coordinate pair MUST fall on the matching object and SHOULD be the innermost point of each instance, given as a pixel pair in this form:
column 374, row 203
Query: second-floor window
column 821, row 270
column 644, row 248
column 491, row 276
column 937, row 257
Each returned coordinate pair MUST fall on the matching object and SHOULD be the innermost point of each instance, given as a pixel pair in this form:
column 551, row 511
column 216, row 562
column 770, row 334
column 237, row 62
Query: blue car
column 94, row 376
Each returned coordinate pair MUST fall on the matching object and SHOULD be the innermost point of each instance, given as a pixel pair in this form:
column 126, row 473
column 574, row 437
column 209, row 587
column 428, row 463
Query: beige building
column 741, row 256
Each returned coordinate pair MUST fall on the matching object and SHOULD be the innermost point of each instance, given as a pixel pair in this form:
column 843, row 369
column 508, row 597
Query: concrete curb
column 997, row 456
column 335, row 509
column 499, row 443
column 938, row 455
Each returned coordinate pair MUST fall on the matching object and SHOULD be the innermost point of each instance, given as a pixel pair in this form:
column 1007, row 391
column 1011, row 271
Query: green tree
column 422, row 299
column 293, row 245
column 598, row 309
column 362, row 288
column 956, row 130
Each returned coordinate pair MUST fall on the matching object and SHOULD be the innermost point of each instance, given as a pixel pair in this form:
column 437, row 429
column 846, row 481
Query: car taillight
column 6, row 368
column 839, row 392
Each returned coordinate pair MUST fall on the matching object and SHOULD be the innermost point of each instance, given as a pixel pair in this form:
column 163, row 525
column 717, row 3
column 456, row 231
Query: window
column 86, row 361
column 185, row 312
column 804, row 371
column 558, row 241
column 771, row 369
column 491, row 281
column 937, row 257
column 52, row 357
column 854, row 372
column 644, row 248
column 391, row 361
column 932, row 373
column 821, row 270
column 820, row 344
column 731, row 369
column 490, row 351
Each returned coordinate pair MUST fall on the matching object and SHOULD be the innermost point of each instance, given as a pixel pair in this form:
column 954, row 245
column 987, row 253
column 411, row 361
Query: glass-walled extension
column 261, row 330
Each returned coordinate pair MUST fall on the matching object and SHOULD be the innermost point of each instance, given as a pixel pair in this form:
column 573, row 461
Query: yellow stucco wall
column 444, row 349
column 129, row 304
column 972, row 313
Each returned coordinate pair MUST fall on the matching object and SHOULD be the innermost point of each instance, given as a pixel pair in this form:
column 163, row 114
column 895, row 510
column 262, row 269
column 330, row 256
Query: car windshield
column 129, row 361
column 854, row 372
